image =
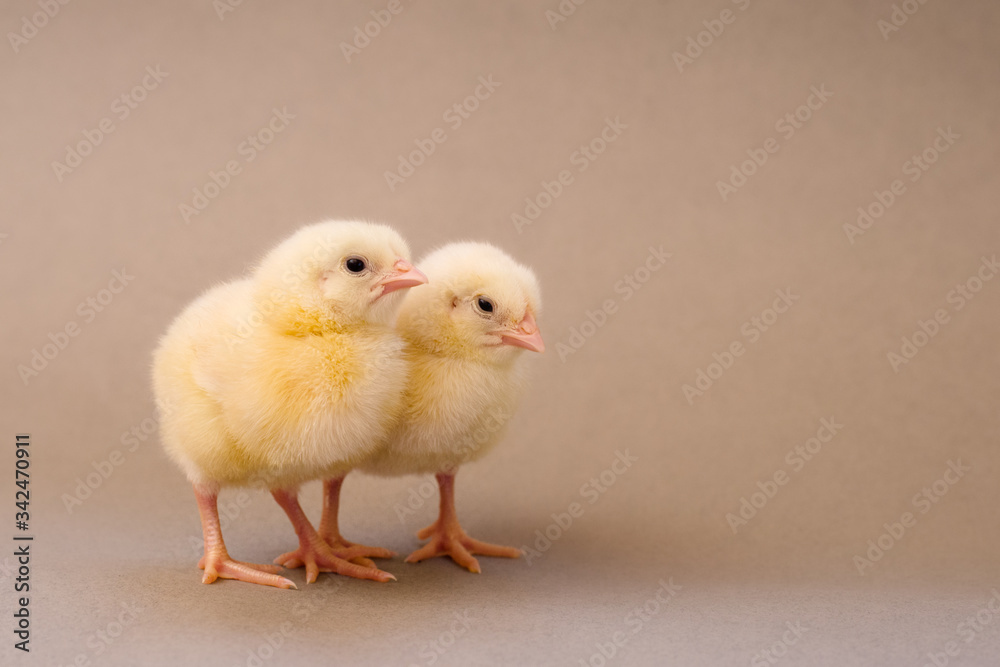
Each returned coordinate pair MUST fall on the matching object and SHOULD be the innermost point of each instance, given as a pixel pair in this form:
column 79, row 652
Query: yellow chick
column 465, row 334
column 290, row 375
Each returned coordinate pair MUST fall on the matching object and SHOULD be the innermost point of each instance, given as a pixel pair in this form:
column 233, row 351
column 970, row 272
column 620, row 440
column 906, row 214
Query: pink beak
column 406, row 275
column 527, row 335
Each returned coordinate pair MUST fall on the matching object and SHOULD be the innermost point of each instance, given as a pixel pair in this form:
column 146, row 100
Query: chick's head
column 480, row 304
column 335, row 274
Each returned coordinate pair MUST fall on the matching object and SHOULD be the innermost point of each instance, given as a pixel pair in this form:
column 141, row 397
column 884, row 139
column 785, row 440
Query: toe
column 461, row 556
column 487, row 549
column 350, row 552
column 312, row 572
column 424, row 533
column 374, row 574
column 429, row 550
column 356, row 571
column 249, row 572
column 272, row 580
column 285, row 558
column 261, row 567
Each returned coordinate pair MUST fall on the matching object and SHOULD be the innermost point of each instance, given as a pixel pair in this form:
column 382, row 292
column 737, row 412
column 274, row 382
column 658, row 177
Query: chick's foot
column 218, row 566
column 216, row 561
column 313, row 552
column 448, row 539
column 329, row 529
column 358, row 554
column 317, row 556
column 451, row 540
column 329, row 532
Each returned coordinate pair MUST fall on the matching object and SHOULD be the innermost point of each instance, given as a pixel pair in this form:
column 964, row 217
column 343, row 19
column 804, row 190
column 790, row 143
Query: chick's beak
column 404, row 275
column 526, row 335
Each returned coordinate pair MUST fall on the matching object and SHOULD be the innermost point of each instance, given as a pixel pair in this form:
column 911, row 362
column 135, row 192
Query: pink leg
column 313, row 552
column 329, row 531
column 216, row 561
column 447, row 537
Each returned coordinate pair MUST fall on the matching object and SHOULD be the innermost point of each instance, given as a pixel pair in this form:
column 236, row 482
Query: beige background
column 130, row 541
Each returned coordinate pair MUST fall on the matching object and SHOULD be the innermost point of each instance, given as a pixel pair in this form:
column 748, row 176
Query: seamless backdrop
column 766, row 234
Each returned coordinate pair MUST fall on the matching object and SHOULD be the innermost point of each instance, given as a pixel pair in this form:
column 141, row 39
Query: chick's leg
column 447, row 537
column 216, row 561
column 313, row 551
column 329, row 532
column 329, row 529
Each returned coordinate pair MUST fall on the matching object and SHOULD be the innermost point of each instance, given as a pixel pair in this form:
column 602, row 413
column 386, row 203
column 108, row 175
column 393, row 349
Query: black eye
column 355, row 265
column 485, row 305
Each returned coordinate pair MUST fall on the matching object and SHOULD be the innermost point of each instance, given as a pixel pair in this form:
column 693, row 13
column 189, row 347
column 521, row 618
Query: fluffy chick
column 465, row 335
column 290, row 375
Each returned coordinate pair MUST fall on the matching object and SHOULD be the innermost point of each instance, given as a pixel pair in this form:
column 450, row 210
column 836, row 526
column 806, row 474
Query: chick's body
column 256, row 406
column 290, row 375
column 454, row 411
column 464, row 334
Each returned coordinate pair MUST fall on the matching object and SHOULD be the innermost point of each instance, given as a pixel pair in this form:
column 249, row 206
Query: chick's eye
column 485, row 305
column 355, row 265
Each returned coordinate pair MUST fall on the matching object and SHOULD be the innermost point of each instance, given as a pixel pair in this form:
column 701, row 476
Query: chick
column 290, row 375
column 465, row 335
